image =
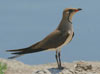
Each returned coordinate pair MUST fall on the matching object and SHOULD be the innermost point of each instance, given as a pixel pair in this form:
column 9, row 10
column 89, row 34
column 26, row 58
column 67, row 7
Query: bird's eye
column 70, row 10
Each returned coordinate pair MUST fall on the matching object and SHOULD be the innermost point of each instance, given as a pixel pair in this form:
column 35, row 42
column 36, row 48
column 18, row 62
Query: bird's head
column 69, row 12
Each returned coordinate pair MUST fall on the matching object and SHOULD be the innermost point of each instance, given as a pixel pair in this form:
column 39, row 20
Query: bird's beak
column 78, row 9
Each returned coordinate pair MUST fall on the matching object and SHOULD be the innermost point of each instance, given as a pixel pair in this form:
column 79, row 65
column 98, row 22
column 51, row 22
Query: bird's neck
column 65, row 24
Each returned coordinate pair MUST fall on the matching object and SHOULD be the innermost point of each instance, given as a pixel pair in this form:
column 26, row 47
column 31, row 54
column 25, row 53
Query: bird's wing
column 53, row 40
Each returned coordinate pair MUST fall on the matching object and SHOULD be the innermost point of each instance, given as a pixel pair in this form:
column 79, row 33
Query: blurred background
column 24, row 22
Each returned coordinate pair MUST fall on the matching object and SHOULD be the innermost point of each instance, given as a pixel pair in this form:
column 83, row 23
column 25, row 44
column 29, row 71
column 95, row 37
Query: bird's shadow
column 54, row 70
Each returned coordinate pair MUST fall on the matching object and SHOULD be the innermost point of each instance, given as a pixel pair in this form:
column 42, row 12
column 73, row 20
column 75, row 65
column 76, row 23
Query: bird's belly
column 52, row 49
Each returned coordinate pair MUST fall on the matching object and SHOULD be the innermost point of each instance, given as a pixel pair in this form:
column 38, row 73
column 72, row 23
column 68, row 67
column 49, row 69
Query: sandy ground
column 79, row 67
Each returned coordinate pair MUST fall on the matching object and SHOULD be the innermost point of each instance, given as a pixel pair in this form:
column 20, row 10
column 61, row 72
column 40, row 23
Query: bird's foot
column 60, row 67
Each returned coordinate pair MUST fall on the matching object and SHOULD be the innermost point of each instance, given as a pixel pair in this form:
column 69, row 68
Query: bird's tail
column 13, row 57
column 20, row 52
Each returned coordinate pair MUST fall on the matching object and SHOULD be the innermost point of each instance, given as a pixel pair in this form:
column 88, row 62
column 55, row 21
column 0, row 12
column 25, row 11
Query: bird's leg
column 57, row 58
column 59, row 54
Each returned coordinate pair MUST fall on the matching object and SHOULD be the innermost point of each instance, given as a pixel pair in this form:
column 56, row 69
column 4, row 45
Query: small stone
column 82, row 66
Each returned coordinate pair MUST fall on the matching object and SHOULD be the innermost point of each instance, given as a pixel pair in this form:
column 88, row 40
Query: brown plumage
column 52, row 41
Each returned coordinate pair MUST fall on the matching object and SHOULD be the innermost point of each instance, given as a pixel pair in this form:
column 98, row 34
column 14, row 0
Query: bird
column 61, row 36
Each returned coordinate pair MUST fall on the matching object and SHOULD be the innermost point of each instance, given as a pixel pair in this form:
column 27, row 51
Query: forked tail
column 20, row 52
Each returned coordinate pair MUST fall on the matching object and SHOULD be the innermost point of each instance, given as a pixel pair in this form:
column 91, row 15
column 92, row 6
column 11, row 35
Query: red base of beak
column 78, row 9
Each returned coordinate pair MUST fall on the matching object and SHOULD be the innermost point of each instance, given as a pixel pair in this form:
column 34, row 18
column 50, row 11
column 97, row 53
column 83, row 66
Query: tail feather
column 26, row 51
column 17, row 50
column 13, row 57
column 20, row 52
